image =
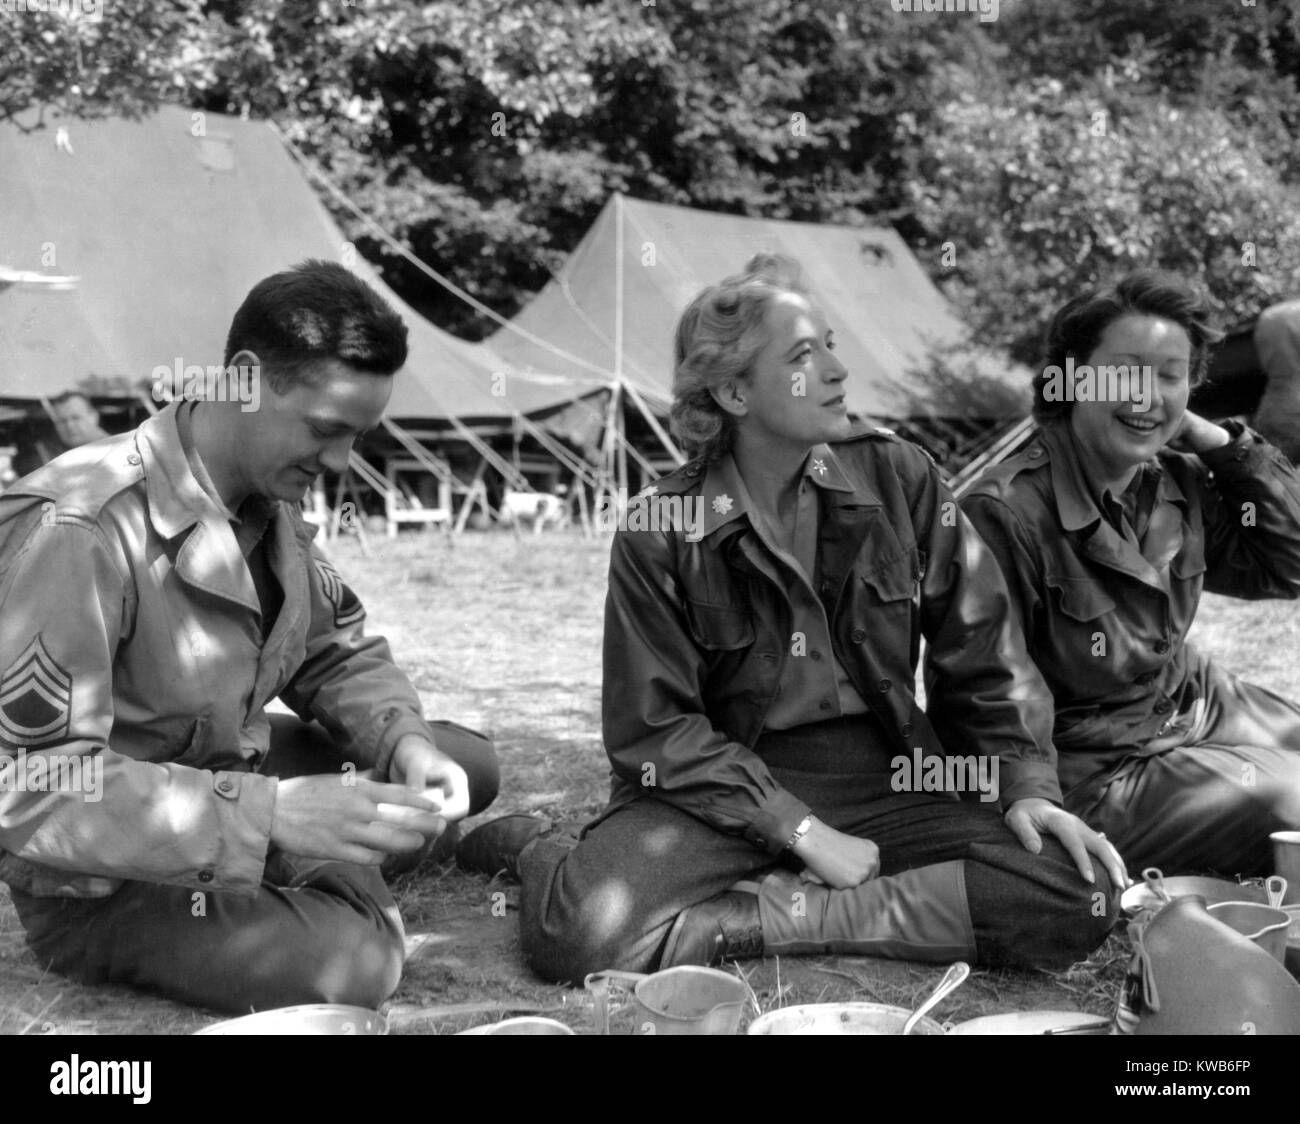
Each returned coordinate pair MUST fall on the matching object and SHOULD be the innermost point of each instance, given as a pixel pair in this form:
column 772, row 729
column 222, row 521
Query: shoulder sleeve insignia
column 347, row 606
column 35, row 699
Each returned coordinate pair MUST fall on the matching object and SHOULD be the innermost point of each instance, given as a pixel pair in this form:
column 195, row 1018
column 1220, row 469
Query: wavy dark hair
column 1078, row 325
column 317, row 310
column 718, row 337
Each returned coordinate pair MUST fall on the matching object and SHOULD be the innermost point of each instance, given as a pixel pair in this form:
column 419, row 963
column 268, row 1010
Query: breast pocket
column 894, row 618
column 1082, row 599
column 898, row 579
column 720, row 628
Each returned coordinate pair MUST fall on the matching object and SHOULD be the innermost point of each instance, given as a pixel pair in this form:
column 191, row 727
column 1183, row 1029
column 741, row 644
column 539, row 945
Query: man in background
column 76, row 420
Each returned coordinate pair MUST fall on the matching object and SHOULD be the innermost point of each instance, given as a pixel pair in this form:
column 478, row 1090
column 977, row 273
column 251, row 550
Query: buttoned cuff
column 245, row 807
column 388, row 729
column 780, row 814
column 1022, row 780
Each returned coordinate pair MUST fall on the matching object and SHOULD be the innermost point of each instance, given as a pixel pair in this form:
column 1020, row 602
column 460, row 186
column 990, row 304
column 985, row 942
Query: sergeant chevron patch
column 35, row 698
column 347, row 606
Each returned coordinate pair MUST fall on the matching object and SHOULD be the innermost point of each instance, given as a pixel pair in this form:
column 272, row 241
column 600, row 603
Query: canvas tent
column 616, row 301
column 166, row 224
column 128, row 245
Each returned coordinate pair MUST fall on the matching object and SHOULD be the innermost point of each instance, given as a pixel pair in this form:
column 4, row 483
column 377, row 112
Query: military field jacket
column 131, row 644
column 698, row 628
column 1105, row 625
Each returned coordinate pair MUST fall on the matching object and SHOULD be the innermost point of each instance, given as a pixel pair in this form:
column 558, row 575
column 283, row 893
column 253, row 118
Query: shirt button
column 884, row 685
column 1164, row 706
column 825, row 704
column 858, row 635
column 905, row 729
column 206, row 876
column 133, row 458
column 1035, row 452
column 1162, row 646
column 225, row 785
column 815, row 655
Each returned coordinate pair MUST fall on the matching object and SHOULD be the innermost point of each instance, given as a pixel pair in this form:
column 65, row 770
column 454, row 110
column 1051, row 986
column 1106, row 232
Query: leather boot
column 723, row 928
column 496, row 845
column 920, row 914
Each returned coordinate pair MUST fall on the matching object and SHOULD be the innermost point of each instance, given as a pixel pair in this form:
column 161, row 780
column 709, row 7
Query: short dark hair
column 69, row 395
column 1078, row 325
column 718, row 338
column 316, row 310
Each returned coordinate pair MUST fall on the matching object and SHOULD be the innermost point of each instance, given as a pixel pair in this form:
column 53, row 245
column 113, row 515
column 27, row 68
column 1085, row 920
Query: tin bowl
column 840, row 1018
column 309, row 1018
column 1140, row 896
column 523, row 1025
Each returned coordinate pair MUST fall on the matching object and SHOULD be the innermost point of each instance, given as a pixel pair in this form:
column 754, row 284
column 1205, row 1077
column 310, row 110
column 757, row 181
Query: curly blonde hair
column 718, row 337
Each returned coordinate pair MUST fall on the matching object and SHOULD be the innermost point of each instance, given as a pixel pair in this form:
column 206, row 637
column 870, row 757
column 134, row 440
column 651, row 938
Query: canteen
column 1192, row 974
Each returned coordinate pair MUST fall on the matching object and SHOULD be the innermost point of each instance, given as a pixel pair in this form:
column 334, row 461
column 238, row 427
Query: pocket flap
column 1083, row 599
column 897, row 579
column 721, row 628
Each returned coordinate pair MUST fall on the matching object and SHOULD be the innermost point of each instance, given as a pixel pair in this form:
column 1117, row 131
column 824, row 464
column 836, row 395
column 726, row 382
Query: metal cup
column 1262, row 924
column 1286, row 862
column 681, row 1000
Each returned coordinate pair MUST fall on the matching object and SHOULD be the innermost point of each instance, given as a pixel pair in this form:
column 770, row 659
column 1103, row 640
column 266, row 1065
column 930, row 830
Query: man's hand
column 346, row 818
column 840, row 861
column 1028, row 817
column 422, row 767
column 1197, row 435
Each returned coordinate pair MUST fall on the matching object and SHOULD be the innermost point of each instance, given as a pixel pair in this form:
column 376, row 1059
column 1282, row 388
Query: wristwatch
column 804, row 827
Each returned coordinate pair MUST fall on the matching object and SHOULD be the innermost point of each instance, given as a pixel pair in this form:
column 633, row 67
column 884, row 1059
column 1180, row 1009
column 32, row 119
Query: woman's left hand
column 1028, row 817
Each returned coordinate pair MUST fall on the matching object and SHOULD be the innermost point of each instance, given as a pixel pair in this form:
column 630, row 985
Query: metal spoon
column 953, row 978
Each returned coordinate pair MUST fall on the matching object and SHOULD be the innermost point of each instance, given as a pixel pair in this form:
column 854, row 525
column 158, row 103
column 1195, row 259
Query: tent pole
column 667, row 442
column 620, row 447
column 621, row 431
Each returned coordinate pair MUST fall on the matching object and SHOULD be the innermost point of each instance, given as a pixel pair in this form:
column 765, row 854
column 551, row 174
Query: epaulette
column 81, row 482
column 1034, row 456
column 884, row 433
column 681, row 479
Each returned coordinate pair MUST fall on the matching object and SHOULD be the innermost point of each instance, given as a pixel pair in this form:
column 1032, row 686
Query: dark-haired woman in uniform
column 1108, row 527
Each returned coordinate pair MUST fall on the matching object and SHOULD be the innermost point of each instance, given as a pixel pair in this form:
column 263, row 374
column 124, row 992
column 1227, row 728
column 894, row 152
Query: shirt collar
column 1076, row 503
column 175, row 479
column 726, row 498
column 256, row 511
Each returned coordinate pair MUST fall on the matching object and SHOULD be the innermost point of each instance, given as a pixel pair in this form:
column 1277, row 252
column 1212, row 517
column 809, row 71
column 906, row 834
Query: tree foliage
column 486, row 134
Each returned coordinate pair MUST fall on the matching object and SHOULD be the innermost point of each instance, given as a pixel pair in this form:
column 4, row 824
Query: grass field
column 502, row 633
